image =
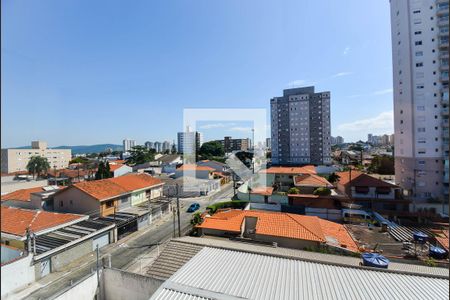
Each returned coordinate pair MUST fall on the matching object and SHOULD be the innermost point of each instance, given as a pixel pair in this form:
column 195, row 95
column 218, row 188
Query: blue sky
column 89, row 72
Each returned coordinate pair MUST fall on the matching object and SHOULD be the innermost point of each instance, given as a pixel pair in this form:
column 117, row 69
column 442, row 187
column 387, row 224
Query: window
column 417, row 32
column 421, row 162
column 419, row 53
column 420, row 86
column 416, row 12
column 61, row 204
column 421, row 107
column 419, row 64
column 421, row 129
column 418, row 43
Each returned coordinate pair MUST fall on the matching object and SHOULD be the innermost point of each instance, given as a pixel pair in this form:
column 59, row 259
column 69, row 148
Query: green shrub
column 322, row 191
column 229, row 204
column 196, row 219
column 294, row 190
column 429, row 261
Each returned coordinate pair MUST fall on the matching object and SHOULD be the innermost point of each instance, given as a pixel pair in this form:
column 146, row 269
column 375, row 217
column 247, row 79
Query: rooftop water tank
column 437, row 252
column 420, row 237
column 375, row 260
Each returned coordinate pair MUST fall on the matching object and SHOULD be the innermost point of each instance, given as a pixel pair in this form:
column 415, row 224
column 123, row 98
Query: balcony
column 442, row 10
column 444, row 111
column 443, row 54
column 445, row 122
column 443, row 67
column 443, row 43
column 443, row 21
column 444, row 77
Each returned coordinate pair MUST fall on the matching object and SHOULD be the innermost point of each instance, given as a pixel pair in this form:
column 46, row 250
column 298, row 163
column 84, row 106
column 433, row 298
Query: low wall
column 262, row 206
column 84, row 289
column 117, row 285
column 325, row 213
column 67, row 256
column 16, row 274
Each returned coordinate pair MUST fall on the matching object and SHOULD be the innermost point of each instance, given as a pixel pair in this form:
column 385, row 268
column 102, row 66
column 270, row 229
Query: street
column 125, row 251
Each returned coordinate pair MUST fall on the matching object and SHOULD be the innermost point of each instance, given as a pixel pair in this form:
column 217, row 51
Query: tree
column 79, row 160
column 140, row 155
column 210, row 149
column 103, row 171
column 294, row 190
column 37, row 165
column 333, row 177
column 322, row 191
column 383, row 165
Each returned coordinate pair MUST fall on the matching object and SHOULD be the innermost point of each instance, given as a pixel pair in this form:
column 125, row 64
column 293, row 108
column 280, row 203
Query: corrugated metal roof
column 254, row 276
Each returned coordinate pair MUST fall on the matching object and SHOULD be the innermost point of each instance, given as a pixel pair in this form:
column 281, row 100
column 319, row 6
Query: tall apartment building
column 300, row 130
column 128, row 144
column 337, row 140
column 420, row 65
column 16, row 160
column 158, row 147
column 149, row 145
column 165, row 146
column 189, row 140
column 229, row 144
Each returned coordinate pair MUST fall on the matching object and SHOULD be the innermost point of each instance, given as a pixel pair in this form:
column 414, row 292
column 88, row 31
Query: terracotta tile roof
column 262, row 190
column 443, row 239
column 68, row 173
column 283, row 225
column 22, row 195
column 17, row 220
column 338, row 233
column 111, row 187
column 113, row 167
column 361, row 179
column 291, row 170
column 195, row 168
column 311, row 180
column 118, row 161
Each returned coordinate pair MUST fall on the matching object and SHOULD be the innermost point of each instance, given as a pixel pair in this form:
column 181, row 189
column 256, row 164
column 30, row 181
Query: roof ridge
column 308, row 229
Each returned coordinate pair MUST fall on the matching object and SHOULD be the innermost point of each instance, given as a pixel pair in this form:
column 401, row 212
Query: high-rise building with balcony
column 420, row 38
column 300, row 130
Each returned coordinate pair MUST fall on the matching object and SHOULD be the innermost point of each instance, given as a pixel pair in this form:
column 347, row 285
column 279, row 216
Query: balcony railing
column 444, row 77
column 442, row 10
column 444, row 111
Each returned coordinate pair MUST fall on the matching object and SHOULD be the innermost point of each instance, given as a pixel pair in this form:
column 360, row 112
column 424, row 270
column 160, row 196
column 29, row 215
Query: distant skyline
column 92, row 72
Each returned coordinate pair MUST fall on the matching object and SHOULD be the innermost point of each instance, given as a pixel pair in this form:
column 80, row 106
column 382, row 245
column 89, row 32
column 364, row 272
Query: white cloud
column 383, row 92
column 241, row 129
column 384, row 121
column 340, row 74
column 346, row 50
column 216, row 125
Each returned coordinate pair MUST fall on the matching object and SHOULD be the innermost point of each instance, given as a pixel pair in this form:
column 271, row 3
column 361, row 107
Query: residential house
column 284, row 229
column 119, row 169
column 199, row 172
column 308, row 183
column 108, row 196
column 32, row 198
column 371, row 192
column 169, row 162
column 282, row 177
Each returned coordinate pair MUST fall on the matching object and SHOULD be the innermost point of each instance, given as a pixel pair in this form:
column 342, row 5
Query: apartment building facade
column 229, row 144
column 189, row 141
column 128, row 145
column 420, row 71
column 301, row 129
column 16, row 160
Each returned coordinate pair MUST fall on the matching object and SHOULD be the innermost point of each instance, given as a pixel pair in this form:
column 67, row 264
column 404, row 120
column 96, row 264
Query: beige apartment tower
column 16, row 160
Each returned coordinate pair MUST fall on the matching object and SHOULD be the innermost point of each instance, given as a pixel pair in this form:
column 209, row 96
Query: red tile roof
column 17, row 220
column 361, row 179
column 113, row 167
column 262, row 190
column 443, row 239
column 283, row 225
column 111, row 187
column 291, row 170
column 22, row 195
column 311, row 180
column 195, row 168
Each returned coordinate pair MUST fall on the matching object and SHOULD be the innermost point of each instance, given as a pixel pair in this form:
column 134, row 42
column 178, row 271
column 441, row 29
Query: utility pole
column 234, row 184
column 253, row 148
column 178, row 212
column 98, row 269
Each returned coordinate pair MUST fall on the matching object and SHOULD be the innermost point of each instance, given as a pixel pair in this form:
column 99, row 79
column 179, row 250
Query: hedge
column 229, row 204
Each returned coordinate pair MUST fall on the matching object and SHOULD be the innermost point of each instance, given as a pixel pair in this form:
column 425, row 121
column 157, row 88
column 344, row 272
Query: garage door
column 101, row 241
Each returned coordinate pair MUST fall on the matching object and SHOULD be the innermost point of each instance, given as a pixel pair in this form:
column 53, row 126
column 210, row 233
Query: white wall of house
column 200, row 174
column 84, row 289
column 122, row 171
column 17, row 274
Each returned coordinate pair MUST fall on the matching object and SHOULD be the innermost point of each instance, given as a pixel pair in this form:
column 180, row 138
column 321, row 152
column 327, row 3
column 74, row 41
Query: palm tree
column 37, row 165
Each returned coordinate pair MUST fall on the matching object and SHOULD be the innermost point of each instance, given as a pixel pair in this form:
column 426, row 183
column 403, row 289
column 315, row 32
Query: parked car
column 193, row 207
